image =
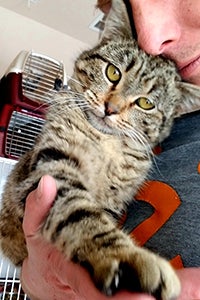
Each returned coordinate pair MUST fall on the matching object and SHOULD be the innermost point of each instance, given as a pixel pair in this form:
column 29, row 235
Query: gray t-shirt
column 167, row 219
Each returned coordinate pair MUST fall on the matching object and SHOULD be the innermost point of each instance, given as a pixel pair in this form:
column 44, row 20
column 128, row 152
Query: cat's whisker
column 154, row 159
column 64, row 100
column 139, row 137
column 138, row 134
column 81, row 103
column 73, row 104
column 76, row 81
column 75, row 94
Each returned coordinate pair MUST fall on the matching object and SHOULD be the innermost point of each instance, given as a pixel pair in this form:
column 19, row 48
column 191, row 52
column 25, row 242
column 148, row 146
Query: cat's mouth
column 102, row 124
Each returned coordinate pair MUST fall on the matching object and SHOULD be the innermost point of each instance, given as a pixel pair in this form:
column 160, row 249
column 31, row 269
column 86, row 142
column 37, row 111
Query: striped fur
column 97, row 143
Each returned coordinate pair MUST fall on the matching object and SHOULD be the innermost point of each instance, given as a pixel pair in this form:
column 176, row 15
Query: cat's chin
column 100, row 124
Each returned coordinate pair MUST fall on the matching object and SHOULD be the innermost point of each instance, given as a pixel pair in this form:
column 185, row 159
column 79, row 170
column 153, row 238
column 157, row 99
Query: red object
column 21, row 119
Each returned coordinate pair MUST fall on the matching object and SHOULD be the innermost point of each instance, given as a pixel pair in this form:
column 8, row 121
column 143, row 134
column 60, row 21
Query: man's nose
column 158, row 30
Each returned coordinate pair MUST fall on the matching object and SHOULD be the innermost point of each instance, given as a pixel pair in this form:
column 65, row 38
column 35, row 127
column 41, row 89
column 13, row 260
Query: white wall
column 20, row 33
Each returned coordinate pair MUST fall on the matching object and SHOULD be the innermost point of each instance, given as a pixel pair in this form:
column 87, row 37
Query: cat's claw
column 116, row 281
column 114, row 286
column 152, row 276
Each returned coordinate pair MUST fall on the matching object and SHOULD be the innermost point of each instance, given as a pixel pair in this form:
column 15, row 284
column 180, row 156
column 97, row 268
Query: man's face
column 171, row 28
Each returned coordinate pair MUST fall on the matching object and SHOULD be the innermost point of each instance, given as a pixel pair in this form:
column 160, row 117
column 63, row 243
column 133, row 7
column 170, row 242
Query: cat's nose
column 111, row 108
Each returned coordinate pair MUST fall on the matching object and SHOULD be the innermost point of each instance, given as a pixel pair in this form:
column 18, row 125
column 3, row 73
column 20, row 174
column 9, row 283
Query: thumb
column 38, row 204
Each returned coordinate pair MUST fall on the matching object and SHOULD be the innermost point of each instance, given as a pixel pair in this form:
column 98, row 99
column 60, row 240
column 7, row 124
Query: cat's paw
column 142, row 271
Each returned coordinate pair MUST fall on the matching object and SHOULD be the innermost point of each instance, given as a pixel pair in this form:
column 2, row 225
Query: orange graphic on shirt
column 165, row 202
column 198, row 168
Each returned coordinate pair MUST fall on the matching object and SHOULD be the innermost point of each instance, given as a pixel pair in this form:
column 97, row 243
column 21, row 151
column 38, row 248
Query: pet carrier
column 25, row 92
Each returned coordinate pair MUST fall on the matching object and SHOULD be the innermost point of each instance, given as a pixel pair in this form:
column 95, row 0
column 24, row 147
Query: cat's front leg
column 87, row 236
column 12, row 240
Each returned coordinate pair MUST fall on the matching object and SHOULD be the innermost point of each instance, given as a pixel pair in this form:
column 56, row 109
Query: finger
column 38, row 204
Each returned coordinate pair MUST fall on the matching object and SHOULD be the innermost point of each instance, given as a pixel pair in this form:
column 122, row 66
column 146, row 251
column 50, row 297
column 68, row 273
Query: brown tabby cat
column 97, row 144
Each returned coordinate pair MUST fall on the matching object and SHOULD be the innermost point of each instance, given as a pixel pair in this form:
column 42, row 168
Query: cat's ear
column 190, row 100
column 117, row 23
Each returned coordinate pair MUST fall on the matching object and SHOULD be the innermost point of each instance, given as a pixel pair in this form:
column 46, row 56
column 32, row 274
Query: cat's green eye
column 113, row 73
column 145, row 103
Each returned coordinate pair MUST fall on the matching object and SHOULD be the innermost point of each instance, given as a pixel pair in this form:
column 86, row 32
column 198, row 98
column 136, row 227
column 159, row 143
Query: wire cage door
column 10, row 287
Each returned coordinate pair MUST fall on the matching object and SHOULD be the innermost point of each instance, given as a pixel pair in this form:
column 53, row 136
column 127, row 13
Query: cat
column 97, row 143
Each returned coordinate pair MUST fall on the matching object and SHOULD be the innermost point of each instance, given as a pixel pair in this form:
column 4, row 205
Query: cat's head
column 127, row 91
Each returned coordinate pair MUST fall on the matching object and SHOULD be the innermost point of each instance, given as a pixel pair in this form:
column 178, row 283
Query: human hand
column 46, row 274
column 39, row 271
column 190, row 282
